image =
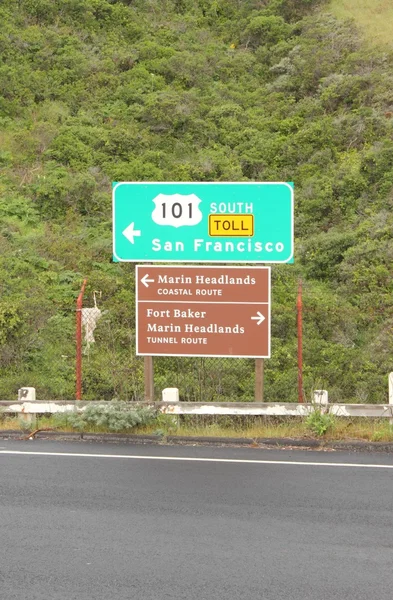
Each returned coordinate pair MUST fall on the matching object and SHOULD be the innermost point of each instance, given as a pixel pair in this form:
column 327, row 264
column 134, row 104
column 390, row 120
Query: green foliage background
column 274, row 90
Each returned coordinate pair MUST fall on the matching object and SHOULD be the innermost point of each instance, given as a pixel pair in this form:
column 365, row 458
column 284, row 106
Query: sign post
column 203, row 222
column 149, row 378
column 212, row 311
column 259, row 368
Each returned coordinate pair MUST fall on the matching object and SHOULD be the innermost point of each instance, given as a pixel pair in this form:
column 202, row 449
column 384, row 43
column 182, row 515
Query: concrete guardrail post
column 27, row 394
column 171, row 395
column 321, row 398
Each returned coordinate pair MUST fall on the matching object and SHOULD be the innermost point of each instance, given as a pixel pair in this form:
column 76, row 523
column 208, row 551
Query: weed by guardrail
column 320, row 423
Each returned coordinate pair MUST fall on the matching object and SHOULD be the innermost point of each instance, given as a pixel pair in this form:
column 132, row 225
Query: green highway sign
column 203, row 222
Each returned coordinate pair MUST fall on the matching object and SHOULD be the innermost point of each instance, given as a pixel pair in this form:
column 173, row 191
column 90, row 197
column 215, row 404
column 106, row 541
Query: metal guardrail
column 277, row 409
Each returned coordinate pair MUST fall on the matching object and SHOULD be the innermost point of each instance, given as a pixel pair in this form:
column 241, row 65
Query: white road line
column 196, row 459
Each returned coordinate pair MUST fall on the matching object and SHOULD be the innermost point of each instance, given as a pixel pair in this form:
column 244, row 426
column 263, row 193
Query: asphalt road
column 120, row 522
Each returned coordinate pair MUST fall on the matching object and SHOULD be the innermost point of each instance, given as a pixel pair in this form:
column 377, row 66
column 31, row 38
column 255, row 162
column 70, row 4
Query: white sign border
column 176, row 260
column 174, row 302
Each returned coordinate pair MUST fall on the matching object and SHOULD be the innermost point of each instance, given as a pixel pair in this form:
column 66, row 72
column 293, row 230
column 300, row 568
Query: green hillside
column 94, row 91
column 373, row 17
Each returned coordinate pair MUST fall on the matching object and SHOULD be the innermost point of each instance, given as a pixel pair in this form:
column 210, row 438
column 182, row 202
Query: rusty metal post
column 149, row 379
column 299, row 305
column 149, row 367
column 78, row 336
column 259, row 367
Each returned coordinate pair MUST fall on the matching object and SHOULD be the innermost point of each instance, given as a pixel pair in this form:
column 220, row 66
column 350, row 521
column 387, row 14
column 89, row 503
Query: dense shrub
column 112, row 417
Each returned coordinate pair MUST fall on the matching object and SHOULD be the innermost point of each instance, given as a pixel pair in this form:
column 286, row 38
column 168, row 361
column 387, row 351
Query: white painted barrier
column 28, row 407
column 275, row 409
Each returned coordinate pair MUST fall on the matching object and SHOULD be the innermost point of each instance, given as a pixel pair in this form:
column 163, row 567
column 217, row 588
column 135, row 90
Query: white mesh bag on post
column 90, row 316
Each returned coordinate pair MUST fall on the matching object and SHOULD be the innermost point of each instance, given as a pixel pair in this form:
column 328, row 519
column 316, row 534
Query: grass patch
column 373, row 17
column 343, row 429
column 324, row 426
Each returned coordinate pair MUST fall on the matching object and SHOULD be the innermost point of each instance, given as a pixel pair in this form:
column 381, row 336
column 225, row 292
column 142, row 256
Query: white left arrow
column 145, row 280
column 259, row 318
column 130, row 233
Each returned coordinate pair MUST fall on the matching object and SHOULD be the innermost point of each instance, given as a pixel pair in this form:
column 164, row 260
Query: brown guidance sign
column 203, row 311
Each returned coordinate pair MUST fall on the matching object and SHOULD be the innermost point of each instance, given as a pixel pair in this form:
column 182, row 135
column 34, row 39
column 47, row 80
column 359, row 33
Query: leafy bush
column 267, row 30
